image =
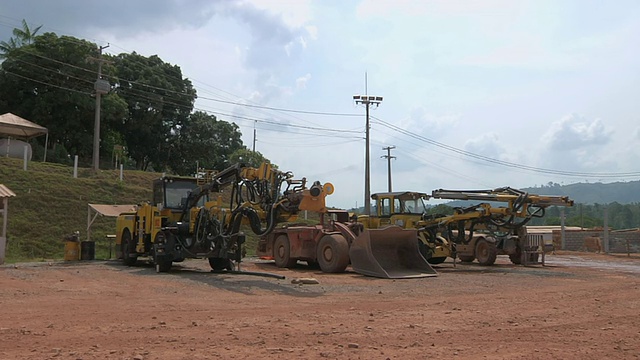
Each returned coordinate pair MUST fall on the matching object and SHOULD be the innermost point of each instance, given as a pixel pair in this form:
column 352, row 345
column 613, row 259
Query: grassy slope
column 51, row 204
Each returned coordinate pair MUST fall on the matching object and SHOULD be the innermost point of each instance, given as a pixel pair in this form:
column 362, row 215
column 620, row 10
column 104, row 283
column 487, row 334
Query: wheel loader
column 406, row 210
column 337, row 242
column 187, row 219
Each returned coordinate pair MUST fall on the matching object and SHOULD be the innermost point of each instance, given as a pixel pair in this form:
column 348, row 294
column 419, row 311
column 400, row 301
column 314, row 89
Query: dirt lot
column 580, row 306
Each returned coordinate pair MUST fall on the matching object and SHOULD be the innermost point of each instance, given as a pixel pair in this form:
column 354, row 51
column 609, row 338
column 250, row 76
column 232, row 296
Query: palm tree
column 25, row 35
column 20, row 37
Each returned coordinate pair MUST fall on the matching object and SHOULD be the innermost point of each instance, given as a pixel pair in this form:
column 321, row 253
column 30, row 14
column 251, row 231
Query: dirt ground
column 579, row 306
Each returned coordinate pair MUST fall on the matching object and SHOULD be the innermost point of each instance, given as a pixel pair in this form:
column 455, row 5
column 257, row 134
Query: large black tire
column 516, row 257
column 486, row 252
column 128, row 248
column 163, row 265
column 282, row 252
column 333, row 253
column 221, row 264
column 436, row 260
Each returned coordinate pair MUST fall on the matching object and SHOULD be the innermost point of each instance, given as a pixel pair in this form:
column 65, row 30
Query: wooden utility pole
column 388, row 157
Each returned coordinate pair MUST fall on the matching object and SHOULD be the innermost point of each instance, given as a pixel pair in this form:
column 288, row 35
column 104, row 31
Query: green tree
column 50, row 83
column 248, row 157
column 24, row 36
column 205, row 141
column 159, row 100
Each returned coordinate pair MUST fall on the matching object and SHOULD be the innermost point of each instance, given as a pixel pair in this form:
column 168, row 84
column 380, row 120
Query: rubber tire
column 126, row 245
column 516, row 257
column 163, row 266
column 486, row 252
column 436, row 260
column 425, row 251
column 282, row 252
column 333, row 253
column 220, row 264
column 466, row 258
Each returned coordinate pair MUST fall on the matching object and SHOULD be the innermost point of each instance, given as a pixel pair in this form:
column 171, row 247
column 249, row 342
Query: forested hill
column 593, row 193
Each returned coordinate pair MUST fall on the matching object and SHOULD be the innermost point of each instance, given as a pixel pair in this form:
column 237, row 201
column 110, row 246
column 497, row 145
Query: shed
column 105, row 210
column 5, row 194
column 14, row 126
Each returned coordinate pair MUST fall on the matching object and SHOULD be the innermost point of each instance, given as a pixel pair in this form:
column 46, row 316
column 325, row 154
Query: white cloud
column 301, row 82
column 487, row 144
column 574, row 132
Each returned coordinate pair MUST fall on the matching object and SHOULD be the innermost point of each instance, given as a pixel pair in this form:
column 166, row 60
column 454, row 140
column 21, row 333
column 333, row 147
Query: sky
column 476, row 94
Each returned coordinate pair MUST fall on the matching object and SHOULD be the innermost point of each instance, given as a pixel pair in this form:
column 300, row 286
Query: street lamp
column 367, row 100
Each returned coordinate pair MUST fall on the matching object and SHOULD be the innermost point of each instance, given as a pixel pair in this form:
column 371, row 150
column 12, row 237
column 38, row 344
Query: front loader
column 404, row 209
column 335, row 242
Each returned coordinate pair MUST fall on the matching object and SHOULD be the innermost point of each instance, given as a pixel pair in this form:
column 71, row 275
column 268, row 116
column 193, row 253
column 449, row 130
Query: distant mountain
column 593, row 193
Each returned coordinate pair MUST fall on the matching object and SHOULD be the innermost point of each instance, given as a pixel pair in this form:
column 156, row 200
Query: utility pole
column 388, row 157
column 367, row 100
column 102, row 87
column 254, row 135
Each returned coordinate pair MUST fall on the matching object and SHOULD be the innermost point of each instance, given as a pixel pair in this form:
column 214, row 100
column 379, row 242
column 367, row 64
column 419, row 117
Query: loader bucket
column 390, row 253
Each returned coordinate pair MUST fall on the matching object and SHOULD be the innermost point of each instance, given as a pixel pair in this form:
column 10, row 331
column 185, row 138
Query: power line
column 505, row 163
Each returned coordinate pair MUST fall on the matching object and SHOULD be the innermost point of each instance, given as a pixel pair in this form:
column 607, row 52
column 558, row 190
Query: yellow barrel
column 71, row 251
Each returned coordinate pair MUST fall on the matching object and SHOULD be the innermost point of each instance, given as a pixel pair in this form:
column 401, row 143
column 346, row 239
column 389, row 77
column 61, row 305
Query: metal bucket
column 71, row 250
column 87, row 250
column 390, row 252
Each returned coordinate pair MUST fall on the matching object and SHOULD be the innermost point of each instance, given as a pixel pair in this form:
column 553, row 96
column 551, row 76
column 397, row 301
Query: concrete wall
column 618, row 241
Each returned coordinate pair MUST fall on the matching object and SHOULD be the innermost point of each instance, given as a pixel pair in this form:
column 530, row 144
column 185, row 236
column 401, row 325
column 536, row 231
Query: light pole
column 367, row 100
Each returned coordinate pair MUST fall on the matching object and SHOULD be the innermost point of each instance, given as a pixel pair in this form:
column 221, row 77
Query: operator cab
column 171, row 192
column 406, row 202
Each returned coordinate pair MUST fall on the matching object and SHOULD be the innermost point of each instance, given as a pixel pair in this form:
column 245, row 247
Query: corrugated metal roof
column 112, row 210
column 5, row 192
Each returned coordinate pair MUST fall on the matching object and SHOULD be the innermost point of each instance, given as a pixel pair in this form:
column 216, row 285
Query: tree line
column 147, row 118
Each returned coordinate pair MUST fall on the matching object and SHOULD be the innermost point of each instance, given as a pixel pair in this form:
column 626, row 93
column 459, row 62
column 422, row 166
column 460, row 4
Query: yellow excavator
column 187, row 219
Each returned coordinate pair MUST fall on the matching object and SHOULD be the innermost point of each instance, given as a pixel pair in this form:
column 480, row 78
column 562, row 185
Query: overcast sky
column 541, row 84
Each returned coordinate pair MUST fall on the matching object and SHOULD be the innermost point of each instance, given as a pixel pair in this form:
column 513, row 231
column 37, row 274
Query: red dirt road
column 103, row 310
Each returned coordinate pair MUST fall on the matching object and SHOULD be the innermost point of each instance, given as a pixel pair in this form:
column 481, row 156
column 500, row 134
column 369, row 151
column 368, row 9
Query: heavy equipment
column 405, row 209
column 187, row 219
column 336, row 241
column 482, row 231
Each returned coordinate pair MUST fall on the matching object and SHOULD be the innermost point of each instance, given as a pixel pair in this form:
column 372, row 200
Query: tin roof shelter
column 14, row 126
column 105, row 210
column 5, row 194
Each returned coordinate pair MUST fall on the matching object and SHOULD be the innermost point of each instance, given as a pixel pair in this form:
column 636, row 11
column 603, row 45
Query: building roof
column 112, row 210
column 6, row 192
column 14, row 125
